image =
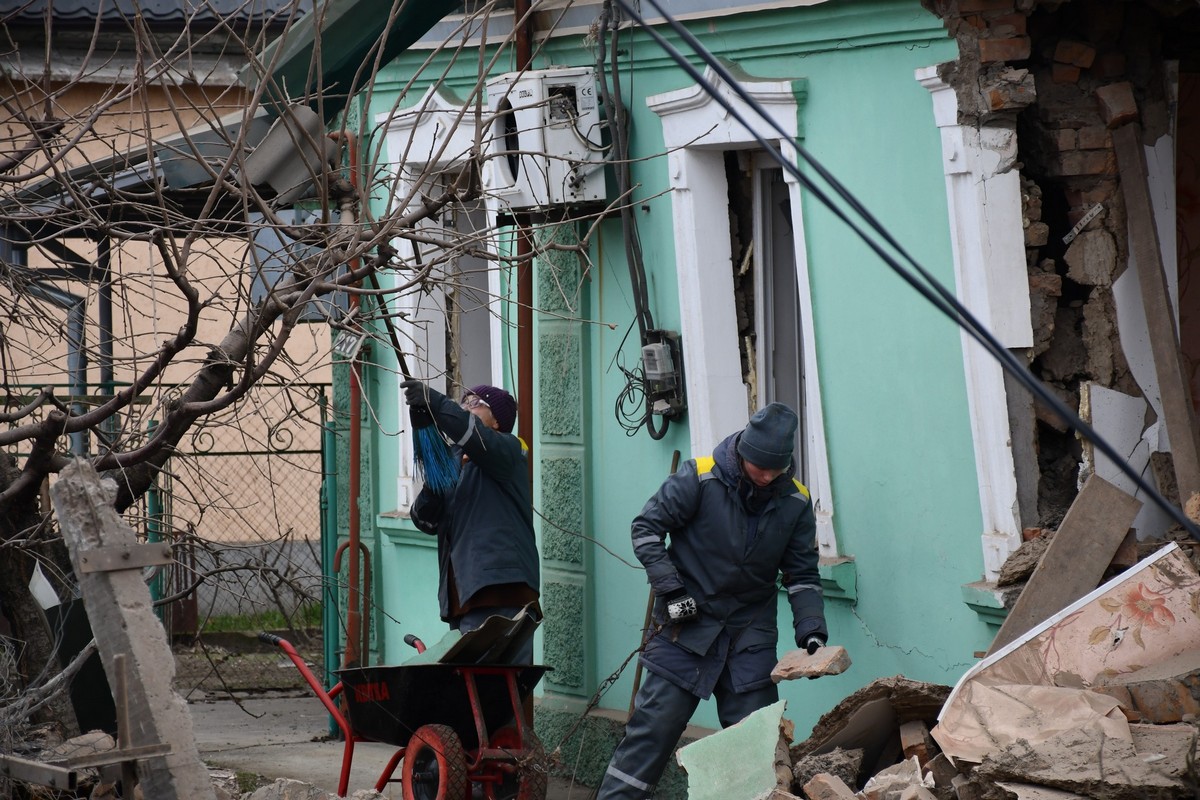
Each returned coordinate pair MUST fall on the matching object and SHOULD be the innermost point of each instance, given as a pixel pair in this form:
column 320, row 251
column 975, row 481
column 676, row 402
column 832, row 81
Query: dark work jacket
column 484, row 524
column 730, row 561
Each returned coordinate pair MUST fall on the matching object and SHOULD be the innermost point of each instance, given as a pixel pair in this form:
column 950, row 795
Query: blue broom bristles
column 434, row 460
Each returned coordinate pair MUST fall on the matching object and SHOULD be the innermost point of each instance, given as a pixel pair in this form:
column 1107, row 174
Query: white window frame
column 983, row 192
column 697, row 131
column 435, row 134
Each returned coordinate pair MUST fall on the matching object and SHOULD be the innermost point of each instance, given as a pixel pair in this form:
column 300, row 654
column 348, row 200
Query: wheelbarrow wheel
column 435, row 765
column 529, row 782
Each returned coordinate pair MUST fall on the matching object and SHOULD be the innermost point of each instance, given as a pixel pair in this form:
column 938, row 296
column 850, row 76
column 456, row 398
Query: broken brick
column 1009, row 25
column 828, row 787
column 1064, row 73
column 1016, row 48
column 1064, row 139
column 916, row 741
column 1037, row 234
column 830, row 660
column 1014, row 89
column 1117, row 104
column 1162, row 701
column 1094, row 137
column 1077, row 54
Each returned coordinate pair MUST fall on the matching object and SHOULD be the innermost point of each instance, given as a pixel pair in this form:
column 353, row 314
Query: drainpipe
column 524, row 45
column 105, row 314
column 355, row 602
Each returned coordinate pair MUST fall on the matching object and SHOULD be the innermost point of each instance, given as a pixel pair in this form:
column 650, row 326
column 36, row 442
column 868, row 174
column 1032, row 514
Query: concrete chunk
column 827, row 787
column 843, row 764
column 830, row 660
column 737, row 762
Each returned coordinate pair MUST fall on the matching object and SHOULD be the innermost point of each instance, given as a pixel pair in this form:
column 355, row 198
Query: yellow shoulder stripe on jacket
column 802, row 488
column 704, row 465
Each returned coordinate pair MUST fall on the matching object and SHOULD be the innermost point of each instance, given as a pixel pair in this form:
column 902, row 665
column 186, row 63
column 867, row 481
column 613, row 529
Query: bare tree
column 164, row 233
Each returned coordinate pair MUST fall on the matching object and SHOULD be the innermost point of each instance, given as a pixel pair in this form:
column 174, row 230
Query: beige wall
column 149, row 309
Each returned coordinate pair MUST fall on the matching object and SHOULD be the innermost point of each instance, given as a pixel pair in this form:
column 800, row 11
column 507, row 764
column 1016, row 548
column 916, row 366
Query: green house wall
column 906, row 505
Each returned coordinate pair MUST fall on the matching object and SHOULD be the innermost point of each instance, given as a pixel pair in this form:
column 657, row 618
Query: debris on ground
column 1100, row 700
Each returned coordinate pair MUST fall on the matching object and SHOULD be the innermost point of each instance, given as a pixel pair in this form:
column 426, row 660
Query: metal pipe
column 105, row 315
column 524, row 46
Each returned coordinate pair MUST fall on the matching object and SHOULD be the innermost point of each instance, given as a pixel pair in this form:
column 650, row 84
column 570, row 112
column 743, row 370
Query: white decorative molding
column 983, row 193
column 697, row 130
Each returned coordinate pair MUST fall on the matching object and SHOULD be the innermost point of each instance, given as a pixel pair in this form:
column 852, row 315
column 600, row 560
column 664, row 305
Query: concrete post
column 107, row 560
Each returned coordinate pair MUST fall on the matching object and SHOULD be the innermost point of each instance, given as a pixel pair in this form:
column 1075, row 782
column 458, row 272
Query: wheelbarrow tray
column 387, row 703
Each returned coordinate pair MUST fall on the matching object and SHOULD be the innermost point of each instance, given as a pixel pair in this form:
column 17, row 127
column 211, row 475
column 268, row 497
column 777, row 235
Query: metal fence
column 241, row 506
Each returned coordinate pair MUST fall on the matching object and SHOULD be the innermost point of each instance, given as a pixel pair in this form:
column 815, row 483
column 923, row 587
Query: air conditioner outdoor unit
column 545, row 145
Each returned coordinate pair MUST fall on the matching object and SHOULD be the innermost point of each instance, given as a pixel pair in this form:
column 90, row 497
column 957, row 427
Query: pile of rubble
column 1101, row 700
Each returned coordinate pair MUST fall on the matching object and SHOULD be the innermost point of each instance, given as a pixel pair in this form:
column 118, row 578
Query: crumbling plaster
column 1033, row 67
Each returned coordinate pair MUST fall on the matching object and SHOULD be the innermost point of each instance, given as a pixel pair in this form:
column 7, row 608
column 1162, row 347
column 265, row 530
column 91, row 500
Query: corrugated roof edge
column 163, row 12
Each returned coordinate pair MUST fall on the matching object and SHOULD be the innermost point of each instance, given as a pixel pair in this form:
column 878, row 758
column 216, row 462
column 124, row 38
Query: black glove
column 813, row 642
column 680, row 605
column 416, row 393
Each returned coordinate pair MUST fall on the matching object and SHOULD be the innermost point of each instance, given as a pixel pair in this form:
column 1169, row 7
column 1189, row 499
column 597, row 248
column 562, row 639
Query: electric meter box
column 545, row 147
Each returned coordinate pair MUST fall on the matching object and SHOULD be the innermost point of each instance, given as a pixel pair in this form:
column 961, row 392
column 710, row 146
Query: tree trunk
column 38, row 654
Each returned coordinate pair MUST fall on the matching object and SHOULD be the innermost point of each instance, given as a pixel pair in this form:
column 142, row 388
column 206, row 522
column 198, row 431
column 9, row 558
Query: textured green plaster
column 585, row 744
column 559, row 289
column 561, row 411
column 562, row 501
column 736, row 762
column 565, row 639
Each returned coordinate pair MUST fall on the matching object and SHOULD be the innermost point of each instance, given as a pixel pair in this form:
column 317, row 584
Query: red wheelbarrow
column 459, row 728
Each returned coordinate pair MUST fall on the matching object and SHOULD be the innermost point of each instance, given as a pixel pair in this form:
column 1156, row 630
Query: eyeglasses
column 470, row 401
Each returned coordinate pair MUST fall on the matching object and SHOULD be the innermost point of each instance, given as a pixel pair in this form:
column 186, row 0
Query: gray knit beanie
column 767, row 439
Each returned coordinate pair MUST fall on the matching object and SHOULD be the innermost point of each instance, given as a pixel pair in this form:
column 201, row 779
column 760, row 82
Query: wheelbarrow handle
column 411, row 641
column 269, row 638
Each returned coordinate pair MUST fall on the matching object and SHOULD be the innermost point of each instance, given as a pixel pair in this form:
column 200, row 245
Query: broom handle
column 637, row 671
column 387, row 322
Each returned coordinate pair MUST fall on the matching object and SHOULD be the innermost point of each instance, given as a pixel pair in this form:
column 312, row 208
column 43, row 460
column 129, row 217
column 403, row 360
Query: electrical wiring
column 618, row 128
column 922, row 281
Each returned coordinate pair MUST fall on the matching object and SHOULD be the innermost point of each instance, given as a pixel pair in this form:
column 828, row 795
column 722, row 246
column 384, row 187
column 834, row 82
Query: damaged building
column 1034, row 162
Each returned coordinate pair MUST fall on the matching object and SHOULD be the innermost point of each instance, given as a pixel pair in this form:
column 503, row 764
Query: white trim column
column 983, row 193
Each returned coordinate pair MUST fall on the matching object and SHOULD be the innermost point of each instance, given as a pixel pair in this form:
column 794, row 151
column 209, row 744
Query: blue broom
column 432, row 457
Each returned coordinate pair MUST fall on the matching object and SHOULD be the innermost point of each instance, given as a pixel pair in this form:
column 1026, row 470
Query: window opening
column 766, row 292
column 468, row 305
column 778, row 324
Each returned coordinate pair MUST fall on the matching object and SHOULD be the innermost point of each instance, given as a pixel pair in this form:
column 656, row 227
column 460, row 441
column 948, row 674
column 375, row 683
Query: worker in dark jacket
column 736, row 520
column 487, row 556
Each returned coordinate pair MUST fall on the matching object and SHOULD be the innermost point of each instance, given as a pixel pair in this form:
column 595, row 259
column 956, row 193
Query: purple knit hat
column 502, row 404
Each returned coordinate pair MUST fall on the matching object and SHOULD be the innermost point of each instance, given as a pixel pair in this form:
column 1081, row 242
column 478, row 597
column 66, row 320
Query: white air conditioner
column 545, row 147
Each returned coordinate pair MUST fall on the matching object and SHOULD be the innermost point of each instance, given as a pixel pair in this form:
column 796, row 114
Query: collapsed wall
column 1044, row 66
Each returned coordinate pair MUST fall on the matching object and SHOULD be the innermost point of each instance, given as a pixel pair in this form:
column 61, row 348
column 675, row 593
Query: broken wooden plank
column 1079, row 553
column 828, row 660
column 1145, row 250
column 122, row 618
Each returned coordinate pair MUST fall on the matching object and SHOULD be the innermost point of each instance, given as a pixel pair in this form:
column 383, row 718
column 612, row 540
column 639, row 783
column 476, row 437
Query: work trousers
column 661, row 712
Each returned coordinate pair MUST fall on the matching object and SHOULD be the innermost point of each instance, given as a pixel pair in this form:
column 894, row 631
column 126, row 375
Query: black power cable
column 618, row 117
column 932, row 290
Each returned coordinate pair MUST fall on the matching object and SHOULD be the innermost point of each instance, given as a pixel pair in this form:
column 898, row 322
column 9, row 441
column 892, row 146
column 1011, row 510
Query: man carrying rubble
column 736, row 520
